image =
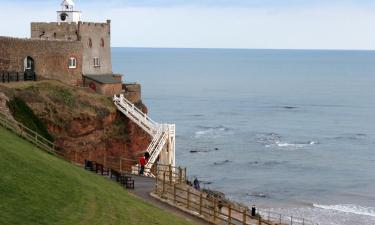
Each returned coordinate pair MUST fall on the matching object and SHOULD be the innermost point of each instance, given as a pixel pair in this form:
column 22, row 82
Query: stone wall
column 104, row 89
column 50, row 58
column 96, row 39
column 132, row 92
column 55, row 31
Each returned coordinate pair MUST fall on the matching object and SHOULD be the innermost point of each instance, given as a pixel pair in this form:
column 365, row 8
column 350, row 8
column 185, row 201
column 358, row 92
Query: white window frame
column 72, row 63
column 96, row 62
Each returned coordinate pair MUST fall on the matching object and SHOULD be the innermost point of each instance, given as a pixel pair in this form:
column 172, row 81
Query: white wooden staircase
column 162, row 146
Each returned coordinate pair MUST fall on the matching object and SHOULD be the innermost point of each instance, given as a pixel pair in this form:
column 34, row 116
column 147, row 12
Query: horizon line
column 269, row 49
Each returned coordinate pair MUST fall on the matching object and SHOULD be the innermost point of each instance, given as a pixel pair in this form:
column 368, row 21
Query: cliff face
column 84, row 124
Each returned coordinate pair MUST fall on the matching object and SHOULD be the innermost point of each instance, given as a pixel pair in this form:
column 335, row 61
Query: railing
column 7, row 77
column 29, row 134
column 161, row 133
column 208, row 207
column 282, row 219
column 140, row 118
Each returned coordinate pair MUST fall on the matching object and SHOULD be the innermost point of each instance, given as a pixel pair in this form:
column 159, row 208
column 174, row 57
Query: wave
column 349, row 208
column 292, row 145
column 274, row 140
column 211, row 131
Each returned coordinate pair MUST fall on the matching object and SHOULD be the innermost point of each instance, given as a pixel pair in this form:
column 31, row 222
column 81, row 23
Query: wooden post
column 185, row 177
column 214, row 209
column 188, row 198
column 229, row 214
column 163, row 182
column 170, row 174
column 200, row 203
column 156, row 184
column 174, row 193
column 179, row 175
column 244, row 217
column 8, row 77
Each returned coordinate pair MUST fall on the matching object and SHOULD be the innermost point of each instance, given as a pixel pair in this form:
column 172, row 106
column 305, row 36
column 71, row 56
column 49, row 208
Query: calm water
column 291, row 130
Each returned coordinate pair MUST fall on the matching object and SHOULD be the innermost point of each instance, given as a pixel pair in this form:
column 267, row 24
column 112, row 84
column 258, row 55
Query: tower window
column 102, row 42
column 72, row 63
column 96, row 62
column 90, row 43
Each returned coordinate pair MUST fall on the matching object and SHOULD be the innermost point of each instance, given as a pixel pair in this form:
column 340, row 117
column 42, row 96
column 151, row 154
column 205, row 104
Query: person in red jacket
column 143, row 161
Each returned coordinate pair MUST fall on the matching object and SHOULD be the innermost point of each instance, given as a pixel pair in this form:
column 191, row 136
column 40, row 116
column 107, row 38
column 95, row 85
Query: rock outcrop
column 83, row 124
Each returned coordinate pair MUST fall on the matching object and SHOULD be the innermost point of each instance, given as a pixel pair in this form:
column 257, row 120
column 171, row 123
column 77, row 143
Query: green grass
column 38, row 188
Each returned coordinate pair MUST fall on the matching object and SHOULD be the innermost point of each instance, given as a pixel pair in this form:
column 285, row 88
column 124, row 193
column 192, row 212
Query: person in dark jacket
column 196, row 184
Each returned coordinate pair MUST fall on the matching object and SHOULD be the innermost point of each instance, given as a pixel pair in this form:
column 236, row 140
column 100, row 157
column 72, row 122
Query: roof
column 104, row 78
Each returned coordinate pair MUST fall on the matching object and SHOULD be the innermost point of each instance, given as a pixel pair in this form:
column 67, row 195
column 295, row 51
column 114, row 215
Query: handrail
column 160, row 133
column 28, row 134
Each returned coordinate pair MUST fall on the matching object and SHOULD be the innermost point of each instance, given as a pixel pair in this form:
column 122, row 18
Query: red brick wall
column 50, row 57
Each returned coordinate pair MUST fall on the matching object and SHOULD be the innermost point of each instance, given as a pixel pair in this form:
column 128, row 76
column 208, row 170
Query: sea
column 291, row 131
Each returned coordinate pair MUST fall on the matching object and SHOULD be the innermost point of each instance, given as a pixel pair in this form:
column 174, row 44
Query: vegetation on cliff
column 38, row 188
column 82, row 123
column 23, row 114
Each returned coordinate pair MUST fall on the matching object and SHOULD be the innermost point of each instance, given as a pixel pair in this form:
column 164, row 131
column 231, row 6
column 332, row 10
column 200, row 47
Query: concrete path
column 145, row 185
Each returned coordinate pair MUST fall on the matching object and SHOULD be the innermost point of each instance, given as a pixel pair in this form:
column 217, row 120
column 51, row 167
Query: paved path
column 145, row 185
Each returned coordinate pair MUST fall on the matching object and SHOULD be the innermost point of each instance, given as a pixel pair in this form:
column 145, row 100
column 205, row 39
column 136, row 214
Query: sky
column 254, row 24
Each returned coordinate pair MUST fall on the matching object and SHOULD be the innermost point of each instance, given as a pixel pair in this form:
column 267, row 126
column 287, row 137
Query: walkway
column 145, row 185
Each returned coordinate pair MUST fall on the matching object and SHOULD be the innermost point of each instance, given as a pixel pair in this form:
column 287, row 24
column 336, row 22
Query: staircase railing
column 160, row 133
column 136, row 115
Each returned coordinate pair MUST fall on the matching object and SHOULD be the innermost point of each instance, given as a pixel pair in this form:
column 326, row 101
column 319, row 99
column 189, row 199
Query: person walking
column 143, row 161
column 196, row 184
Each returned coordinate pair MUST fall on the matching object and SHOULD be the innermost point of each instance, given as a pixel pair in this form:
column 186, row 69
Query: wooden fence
column 29, row 134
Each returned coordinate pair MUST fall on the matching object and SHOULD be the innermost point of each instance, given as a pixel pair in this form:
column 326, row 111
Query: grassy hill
column 37, row 188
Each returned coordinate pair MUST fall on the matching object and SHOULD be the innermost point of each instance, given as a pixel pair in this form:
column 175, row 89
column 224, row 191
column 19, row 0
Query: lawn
column 38, row 188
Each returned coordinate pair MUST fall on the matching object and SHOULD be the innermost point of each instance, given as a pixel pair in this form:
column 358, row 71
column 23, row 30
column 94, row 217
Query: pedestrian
column 143, row 161
column 196, row 184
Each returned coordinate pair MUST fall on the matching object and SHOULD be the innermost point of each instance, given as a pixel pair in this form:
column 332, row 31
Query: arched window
column 102, row 43
column 72, row 63
column 90, row 43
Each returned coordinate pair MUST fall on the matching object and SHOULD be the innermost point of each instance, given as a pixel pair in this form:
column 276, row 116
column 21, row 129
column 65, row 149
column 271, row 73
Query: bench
column 100, row 168
column 89, row 165
column 127, row 181
column 115, row 174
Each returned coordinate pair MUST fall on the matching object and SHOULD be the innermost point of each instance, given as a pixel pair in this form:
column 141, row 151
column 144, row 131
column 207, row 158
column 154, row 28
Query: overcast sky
column 271, row 24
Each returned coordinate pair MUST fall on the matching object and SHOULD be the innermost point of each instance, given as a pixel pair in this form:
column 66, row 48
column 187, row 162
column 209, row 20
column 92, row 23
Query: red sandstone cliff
column 84, row 124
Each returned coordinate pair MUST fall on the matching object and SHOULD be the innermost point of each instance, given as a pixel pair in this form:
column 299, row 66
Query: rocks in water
column 204, row 151
column 221, row 163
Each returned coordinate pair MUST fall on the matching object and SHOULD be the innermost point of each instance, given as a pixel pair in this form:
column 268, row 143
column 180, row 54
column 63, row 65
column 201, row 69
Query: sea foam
column 349, row 208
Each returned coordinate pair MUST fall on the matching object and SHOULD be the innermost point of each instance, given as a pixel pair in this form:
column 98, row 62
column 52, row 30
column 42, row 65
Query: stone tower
column 67, row 13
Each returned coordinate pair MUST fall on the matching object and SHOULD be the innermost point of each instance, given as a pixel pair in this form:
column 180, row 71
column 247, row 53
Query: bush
column 24, row 114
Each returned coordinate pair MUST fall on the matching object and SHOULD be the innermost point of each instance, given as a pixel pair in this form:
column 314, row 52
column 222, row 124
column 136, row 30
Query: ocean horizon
column 291, row 131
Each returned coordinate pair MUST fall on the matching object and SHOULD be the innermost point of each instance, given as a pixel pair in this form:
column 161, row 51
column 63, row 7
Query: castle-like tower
column 95, row 38
column 69, row 50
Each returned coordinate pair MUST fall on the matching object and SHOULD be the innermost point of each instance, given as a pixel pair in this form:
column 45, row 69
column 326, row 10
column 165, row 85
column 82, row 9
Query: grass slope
column 37, row 188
